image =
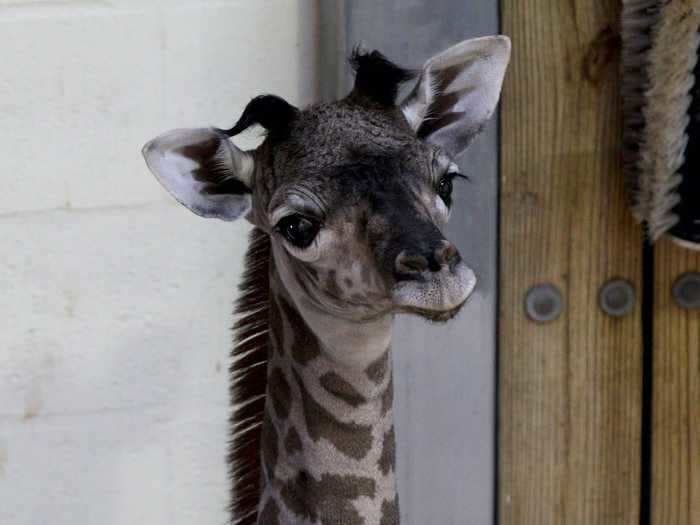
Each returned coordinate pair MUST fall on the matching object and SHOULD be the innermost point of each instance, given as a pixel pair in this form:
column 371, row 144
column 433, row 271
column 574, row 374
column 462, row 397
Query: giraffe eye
column 444, row 185
column 444, row 188
column 298, row 230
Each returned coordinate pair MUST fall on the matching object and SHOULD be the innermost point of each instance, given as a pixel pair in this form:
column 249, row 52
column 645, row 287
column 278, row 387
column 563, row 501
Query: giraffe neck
column 328, row 434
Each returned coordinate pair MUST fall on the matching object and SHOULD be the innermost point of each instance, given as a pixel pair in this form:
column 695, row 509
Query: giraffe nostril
column 407, row 265
column 447, row 255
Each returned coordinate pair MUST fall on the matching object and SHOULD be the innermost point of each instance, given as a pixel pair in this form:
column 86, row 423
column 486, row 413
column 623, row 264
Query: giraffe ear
column 203, row 170
column 457, row 92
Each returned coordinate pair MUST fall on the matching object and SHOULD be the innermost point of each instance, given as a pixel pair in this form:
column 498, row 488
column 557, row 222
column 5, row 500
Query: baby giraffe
column 348, row 201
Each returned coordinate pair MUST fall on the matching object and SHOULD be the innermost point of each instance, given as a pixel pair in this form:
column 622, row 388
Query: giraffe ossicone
column 348, row 201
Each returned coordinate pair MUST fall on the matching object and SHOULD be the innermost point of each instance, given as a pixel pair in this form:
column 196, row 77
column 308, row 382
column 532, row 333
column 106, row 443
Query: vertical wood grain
column 570, row 390
column 676, row 413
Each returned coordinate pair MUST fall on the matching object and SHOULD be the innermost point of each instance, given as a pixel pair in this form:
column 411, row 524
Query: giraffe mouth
column 436, row 296
column 436, row 316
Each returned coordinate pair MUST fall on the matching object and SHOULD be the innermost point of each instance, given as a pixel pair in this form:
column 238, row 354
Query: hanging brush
column 661, row 105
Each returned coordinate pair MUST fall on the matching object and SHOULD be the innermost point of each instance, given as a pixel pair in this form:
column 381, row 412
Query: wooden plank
column 570, row 390
column 676, row 412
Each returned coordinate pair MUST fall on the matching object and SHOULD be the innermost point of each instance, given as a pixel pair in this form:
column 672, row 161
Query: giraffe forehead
column 343, row 121
column 339, row 134
column 363, row 190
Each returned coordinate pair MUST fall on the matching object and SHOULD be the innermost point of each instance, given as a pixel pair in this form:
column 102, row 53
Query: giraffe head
column 354, row 194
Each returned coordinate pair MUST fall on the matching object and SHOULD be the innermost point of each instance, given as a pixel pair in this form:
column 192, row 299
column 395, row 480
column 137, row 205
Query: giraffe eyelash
column 454, row 173
column 457, row 175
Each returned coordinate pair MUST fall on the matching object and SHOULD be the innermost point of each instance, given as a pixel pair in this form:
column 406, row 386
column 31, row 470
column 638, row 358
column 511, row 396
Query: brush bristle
column 638, row 19
column 664, row 139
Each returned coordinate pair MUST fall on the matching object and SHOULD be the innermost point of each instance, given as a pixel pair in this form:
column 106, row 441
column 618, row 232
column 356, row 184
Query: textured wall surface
column 116, row 302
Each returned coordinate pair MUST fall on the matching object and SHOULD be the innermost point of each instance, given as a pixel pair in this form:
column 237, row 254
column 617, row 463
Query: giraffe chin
column 435, row 316
column 438, row 297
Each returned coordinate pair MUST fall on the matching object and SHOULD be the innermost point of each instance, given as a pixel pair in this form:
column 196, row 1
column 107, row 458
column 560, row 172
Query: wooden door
column 675, row 444
column 570, row 389
column 599, row 417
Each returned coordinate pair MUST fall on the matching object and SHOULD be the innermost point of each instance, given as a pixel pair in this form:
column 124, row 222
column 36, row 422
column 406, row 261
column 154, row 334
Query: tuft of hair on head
column 271, row 112
column 376, row 77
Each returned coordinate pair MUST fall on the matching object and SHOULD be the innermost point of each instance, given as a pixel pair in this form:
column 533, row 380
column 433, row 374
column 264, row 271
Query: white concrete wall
column 116, row 302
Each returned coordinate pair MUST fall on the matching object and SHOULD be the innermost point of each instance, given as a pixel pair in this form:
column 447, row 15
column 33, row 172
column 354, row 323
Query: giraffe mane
column 248, row 376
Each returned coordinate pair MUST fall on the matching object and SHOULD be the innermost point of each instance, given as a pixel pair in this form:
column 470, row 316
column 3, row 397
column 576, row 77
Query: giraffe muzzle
column 434, row 284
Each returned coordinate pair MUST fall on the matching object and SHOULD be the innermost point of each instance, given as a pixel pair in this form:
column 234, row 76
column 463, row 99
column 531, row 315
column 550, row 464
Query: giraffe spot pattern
column 280, row 393
column 305, row 347
column 270, row 514
column 334, row 384
column 377, row 370
column 387, row 459
column 390, row 512
column 351, row 439
column 388, row 397
column 329, row 500
column 270, row 446
column 292, row 443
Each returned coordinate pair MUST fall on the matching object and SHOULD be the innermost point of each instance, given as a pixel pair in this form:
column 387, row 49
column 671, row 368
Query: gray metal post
column 445, row 375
